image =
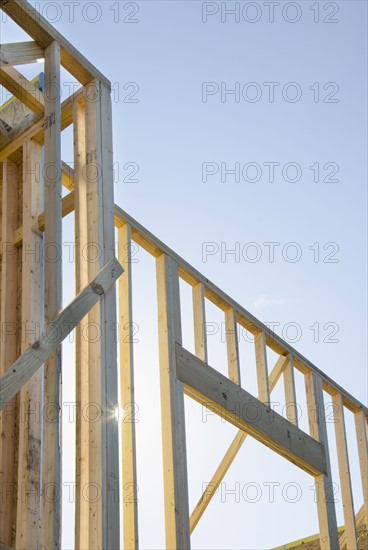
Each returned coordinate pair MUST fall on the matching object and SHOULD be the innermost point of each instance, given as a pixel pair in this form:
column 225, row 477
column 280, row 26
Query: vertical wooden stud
column 172, row 407
column 261, row 365
column 8, row 349
column 290, row 394
column 81, row 342
column 329, row 538
column 232, row 345
column 129, row 481
column 344, row 471
column 30, row 418
column 199, row 318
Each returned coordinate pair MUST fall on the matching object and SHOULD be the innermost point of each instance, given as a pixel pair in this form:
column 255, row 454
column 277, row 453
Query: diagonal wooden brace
column 31, row 360
column 231, row 453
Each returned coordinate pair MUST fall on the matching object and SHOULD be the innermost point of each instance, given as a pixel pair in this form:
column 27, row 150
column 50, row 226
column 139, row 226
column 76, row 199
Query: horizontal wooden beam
column 20, row 53
column 20, row 87
column 31, row 360
column 225, row 398
column 67, row 206
column 43, row 33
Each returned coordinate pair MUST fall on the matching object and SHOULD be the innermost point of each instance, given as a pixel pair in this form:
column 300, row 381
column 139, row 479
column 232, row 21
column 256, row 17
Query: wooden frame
column 156, row 248
column 33, row 368
column 30, row 20
column 31, row 360
column 44, row 128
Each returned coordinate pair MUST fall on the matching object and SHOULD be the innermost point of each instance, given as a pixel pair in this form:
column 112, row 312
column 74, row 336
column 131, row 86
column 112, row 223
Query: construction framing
column 33, row 326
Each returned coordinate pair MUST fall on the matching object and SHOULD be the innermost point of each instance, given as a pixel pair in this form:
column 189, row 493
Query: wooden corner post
column 51, row 445
column 172, row 407
column 104, row 517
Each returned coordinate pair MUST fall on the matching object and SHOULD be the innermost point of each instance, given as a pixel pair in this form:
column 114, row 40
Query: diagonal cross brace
column 231, row 453
column 31, row 360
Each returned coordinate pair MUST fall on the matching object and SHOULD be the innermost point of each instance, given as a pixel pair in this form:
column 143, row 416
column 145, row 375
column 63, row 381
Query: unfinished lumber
column 329, row 538
column 34, row 128
column 104, row 520
column 225, row 398
column 232, row 347
column 8, row 349
column 31, row 360
column 172, row 407
column 51, row 449
column 30, row 20
column 81, row 342
column 290, row 394
column 127, row 398
column 344, row 471
column 230, row 454
column 261, row 365
column 359, row 522
column 149, row 242
column 199, row 319
column 362, row 441
column 31, row 394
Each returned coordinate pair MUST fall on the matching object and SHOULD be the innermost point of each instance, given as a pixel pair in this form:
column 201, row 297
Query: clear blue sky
column 169, row 132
